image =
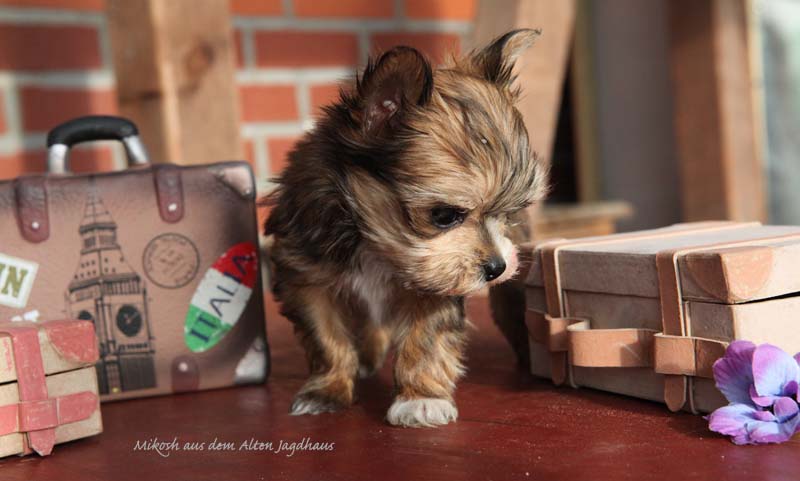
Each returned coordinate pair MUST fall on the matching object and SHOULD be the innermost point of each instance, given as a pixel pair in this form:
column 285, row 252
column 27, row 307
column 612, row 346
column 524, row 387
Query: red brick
column 256, row 7
column 13, row 165
column 238, row 40
column 249, row 153
column 45, row 107
column 305, row 49
column 344, row 8
column 94, row 5
column 322, row 95
column 440, row 9
column 3, row 125
column 37, row 47
column 434, row 45
column 279, row 148
column 265, row 103
column 95, row 159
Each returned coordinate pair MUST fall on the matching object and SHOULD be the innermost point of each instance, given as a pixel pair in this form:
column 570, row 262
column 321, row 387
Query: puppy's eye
column 447, row 216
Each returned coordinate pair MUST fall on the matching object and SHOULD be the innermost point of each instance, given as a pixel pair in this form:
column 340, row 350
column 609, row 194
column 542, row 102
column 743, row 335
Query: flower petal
column 785, row 409
column 762, row 401
column 733, row 372
column 765, row 416
column 773, row 372
column 761, row 432
column 731, row 420
column 748, row 425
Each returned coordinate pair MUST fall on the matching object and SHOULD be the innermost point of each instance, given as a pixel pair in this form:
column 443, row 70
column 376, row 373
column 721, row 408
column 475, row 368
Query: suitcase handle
column 90, row 128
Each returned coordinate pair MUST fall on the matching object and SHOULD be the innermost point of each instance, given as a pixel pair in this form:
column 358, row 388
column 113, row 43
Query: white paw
column 425, row 412
column 309, row 405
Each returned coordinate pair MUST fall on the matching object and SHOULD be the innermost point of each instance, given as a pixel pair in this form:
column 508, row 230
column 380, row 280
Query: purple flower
column 734, row 372
column 761, row 384
column 750, row 425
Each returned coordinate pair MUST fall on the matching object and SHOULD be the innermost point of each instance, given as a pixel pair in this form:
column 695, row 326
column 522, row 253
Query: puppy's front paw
column 423, row 412
column 310, row 403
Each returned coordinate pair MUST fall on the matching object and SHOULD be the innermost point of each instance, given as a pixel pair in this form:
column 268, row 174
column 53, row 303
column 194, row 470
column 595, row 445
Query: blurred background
column 651, row 112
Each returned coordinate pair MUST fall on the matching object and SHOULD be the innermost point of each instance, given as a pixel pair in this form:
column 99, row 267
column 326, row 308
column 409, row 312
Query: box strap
column 677, row 358
column 609, row 347
column 49, row 413
column 686, row 356
column 31, row 383
column 37, row 414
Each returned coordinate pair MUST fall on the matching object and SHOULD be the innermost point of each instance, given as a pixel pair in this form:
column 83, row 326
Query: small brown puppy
column 391, row 210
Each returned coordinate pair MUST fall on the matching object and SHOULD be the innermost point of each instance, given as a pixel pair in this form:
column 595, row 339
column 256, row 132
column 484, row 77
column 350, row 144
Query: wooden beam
column 583, row 84
column 174, row 69
column 720, row 164
column 584, row 219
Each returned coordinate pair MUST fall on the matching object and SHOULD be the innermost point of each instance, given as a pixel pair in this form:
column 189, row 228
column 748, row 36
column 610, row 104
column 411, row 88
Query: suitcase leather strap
column 169, row 192
column 31, row 208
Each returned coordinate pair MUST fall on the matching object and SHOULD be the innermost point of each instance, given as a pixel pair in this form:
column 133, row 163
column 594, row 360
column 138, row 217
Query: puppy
column 391, row 210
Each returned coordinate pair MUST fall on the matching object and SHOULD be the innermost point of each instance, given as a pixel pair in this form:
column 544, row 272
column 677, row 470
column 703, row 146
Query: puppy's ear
column 496, row 61
column 399, row 79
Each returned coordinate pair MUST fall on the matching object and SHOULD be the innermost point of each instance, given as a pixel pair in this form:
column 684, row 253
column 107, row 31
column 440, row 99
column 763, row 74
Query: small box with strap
column 719, row 264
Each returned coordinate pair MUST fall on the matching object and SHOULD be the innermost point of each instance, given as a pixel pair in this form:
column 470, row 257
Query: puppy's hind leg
column 332, row 357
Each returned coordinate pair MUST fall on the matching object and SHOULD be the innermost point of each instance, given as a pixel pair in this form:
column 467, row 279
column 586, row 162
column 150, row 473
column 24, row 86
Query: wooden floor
column 511, row 426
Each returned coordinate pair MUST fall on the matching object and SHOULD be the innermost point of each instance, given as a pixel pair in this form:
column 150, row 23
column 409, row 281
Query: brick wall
column 54, row 64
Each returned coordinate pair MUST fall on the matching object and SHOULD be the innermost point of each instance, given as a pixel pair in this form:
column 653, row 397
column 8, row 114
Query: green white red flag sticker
column 221, row 297
column 16, row 280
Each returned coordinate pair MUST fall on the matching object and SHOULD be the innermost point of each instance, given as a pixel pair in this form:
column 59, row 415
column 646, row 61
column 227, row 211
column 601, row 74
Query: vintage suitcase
column 163, row 259
column 48, row 385
column 647, row 313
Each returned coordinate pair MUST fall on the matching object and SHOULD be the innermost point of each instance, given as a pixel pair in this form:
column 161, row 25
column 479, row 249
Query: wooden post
column 720, row 164
column 174, row 69
column 583, row 84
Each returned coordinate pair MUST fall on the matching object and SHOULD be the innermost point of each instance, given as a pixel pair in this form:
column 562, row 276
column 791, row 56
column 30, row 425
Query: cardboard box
column 647, row 313
column 48, row 385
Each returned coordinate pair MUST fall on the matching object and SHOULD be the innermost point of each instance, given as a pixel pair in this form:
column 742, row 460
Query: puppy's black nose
column 494, row 268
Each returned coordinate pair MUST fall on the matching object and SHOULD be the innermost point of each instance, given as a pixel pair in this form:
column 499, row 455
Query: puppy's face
column 450, row 166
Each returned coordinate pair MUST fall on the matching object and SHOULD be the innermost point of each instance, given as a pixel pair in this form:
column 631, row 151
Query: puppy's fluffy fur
column 391, row 210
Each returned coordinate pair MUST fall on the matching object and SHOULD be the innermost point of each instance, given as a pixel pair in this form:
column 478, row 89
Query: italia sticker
column 221, row 297
column 16, row 280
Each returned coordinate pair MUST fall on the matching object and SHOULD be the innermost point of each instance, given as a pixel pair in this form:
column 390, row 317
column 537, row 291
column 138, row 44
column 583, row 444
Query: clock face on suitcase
column 129, row 320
